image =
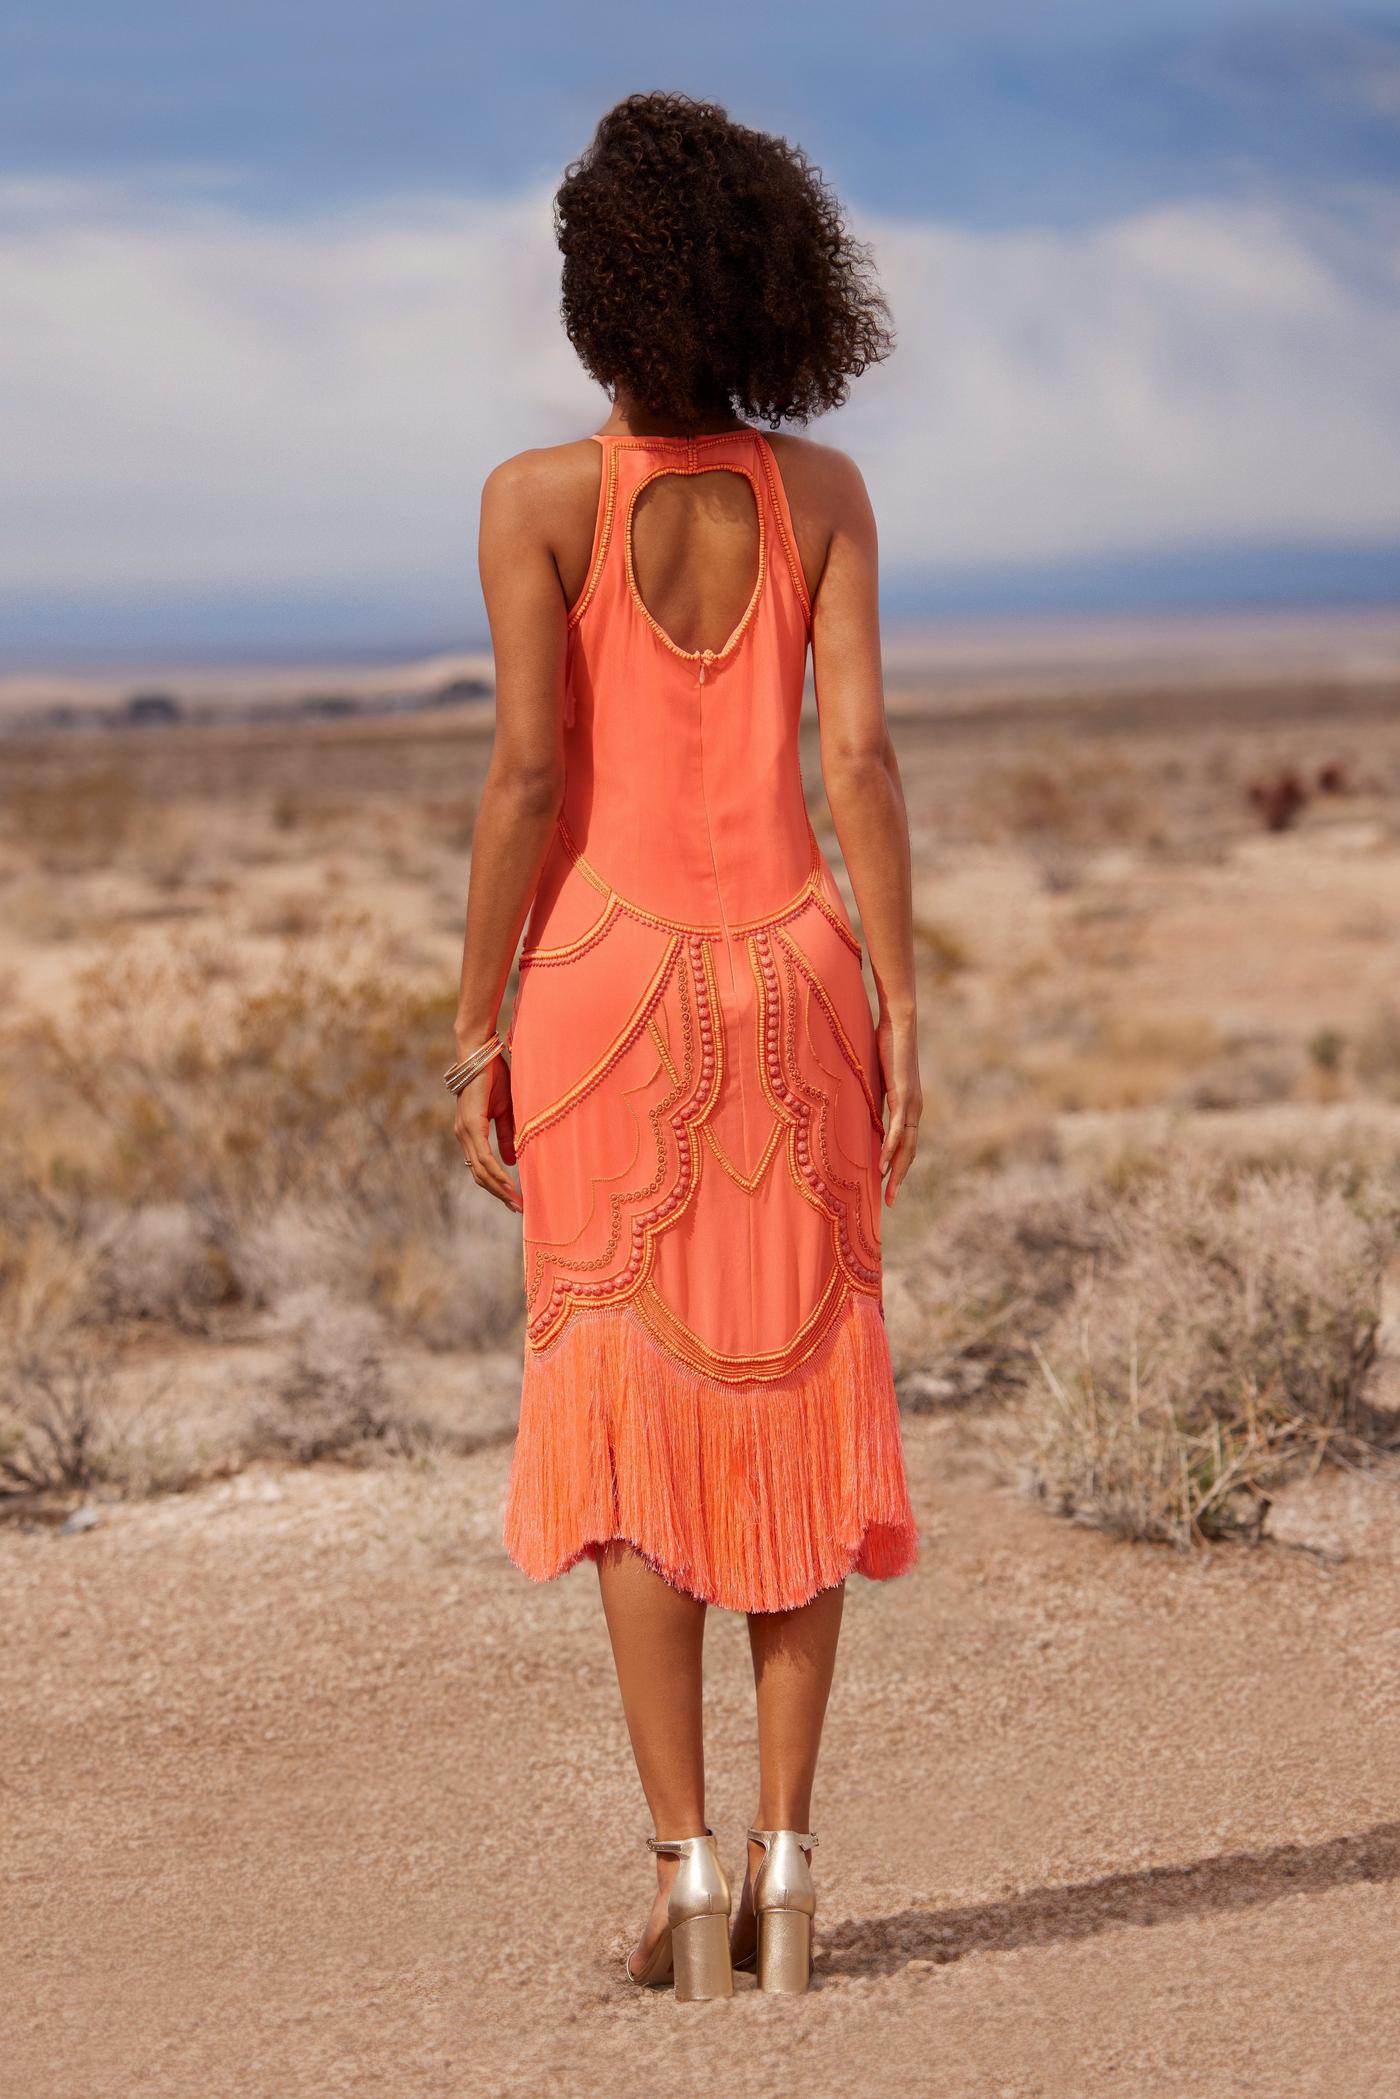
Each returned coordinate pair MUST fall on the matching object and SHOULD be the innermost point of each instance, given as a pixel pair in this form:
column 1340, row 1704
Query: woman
column 701, row 1106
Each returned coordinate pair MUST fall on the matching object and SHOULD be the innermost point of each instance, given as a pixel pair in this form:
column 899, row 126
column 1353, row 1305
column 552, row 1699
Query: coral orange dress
column 697, row 1099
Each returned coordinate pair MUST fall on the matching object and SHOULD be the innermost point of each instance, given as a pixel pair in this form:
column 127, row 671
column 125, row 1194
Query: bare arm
column 863, row 788
column 522, row 795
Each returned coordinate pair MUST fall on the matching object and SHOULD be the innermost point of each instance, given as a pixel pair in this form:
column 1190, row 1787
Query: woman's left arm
column 521, row 799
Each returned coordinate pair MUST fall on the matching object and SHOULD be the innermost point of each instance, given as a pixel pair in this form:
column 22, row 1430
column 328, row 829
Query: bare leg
column 794, row 1656
column 657, row 1635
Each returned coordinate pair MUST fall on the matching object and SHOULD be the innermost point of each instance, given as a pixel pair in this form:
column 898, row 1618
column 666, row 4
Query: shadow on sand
column 1044, row 1916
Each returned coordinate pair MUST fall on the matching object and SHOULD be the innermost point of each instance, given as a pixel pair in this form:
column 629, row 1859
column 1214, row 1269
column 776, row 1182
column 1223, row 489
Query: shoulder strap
column 777, row 495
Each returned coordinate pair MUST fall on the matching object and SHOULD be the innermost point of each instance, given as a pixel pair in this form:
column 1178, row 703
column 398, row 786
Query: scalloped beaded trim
column 830, row 913
column 650, row 999
column 834, row 1022
column 685, row 1345
column 865, row 1261
column 660, row 1041
column 648, row 918
column 777, row 1030
column 645, row 1228
column 572, row 949
column 618, row 1203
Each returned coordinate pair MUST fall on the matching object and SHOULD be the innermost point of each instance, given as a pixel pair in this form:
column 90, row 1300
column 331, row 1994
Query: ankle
column 691, row 1823
column 788, row 1814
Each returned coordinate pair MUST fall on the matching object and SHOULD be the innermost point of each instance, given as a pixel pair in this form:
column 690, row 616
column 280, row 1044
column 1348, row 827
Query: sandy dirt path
column 307, row 1792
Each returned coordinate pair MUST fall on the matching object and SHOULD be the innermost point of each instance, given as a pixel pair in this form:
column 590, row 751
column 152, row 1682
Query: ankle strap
column 804, row 1839
column 678, row 1847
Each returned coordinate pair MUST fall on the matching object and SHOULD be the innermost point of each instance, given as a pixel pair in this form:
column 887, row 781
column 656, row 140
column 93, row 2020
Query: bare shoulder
column 537, row 513
column 544, row 483
column 821, row 477
column 827, row 496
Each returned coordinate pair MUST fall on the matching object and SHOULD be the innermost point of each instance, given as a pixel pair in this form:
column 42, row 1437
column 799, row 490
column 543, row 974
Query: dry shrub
column 1280, row 798
column 337, row 1395
column 987, row 1276
column 440, row 1267
column 54, row 1233
column 175, row 849
column 290, row 915
column 1225, row 1335
column 64, row 1433
column 163, row 1261
column 56, row 1423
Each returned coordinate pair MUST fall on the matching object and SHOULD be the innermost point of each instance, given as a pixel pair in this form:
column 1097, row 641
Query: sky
column 279, row 287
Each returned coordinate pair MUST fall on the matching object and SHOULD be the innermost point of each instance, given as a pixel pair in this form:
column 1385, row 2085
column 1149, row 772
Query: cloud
column 197, row 398
column 1206, row 373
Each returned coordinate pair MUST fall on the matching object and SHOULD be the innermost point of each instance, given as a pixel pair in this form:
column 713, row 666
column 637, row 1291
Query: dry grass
column 75, row 822
column 1223, row 1337
column 196, row 1075
column 942, row 950
column 1247, row 1073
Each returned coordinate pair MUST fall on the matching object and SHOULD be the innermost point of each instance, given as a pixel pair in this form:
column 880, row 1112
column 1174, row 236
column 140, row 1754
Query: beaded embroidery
column 801, row 1112
column 685, row 1344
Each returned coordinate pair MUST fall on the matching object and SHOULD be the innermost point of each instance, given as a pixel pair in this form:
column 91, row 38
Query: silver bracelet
column 459, row 1075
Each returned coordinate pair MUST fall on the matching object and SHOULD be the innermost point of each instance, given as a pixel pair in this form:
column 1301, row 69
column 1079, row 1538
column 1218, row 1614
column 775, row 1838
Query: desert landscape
column 307, row 1791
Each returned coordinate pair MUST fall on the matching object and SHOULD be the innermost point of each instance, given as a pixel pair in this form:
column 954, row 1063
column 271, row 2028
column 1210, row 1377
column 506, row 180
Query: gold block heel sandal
column 784, row 1903
column 694, row 1947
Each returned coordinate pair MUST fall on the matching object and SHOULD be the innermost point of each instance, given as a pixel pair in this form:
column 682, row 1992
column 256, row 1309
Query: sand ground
column 309, row 1792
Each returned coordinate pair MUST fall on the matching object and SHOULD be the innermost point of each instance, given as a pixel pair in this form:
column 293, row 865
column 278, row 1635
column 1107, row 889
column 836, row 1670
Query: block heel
column 784, row 1951
column 693, row 1950
column 700, row 1951
column 784, row 1902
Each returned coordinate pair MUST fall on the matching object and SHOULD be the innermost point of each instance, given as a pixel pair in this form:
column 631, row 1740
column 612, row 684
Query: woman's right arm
column 861, row 774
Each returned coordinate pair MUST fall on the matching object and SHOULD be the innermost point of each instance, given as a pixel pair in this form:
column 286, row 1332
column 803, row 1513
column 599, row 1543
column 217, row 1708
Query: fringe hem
column 752, row 1498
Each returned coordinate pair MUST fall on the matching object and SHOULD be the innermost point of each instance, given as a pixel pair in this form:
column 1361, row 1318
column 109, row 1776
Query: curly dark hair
column 707, row 268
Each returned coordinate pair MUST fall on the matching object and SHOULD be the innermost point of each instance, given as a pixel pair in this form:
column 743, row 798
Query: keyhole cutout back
column 693, row 541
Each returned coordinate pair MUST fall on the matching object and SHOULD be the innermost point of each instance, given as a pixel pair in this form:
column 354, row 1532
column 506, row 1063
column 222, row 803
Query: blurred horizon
column 281, row 290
